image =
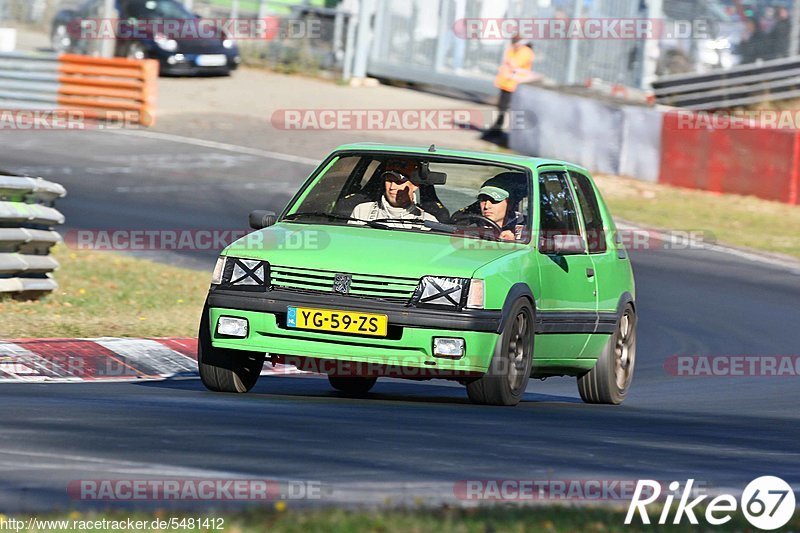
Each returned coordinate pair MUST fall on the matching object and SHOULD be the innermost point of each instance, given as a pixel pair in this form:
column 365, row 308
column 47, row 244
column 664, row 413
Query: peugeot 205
column 423, row 263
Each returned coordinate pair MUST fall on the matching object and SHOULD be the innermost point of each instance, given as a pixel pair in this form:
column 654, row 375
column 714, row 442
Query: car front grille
column 363, row 285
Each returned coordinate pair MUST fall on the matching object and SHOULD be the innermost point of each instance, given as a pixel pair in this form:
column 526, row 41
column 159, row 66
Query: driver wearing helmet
column 497, row 202
column 396, row 204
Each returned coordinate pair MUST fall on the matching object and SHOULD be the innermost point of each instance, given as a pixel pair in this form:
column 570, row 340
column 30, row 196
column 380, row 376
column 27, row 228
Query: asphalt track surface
column 406, row 440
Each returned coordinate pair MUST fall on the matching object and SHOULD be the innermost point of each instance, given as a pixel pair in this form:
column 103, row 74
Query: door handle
column 589, row 272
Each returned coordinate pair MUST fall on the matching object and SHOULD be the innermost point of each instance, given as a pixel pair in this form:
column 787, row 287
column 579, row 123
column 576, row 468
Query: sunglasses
column 484, row 198
column 394, row 177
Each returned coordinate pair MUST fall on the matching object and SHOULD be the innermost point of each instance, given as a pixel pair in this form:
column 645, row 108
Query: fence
column 100, row 88
column 27, row 217
column 417, row 40
column 744, row 85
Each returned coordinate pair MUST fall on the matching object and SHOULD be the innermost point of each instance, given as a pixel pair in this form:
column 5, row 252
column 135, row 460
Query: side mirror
column 262, row 219
column 560, row 244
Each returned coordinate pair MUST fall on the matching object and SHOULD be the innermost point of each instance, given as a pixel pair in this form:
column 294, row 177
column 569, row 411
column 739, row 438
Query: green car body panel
column 576, row 298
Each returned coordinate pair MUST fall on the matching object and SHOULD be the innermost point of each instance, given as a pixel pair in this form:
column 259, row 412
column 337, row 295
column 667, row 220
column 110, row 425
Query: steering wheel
column 481, row 220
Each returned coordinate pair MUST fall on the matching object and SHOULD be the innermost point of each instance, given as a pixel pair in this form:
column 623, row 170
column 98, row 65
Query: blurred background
column 414, row 40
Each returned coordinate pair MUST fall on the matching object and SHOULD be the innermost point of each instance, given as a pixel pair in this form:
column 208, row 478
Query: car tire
column 223, row 370
column 60, row 40
column 505, row 381
column 356, row 386
column 610, row 379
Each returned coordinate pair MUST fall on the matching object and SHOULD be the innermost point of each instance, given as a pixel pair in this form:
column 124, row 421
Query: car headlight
column 448, row 293
column 168, row 45
column 228, row 43
column 242, row 274
column 219, row 268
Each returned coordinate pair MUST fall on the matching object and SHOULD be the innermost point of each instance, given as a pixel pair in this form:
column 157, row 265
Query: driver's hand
column 508, row 235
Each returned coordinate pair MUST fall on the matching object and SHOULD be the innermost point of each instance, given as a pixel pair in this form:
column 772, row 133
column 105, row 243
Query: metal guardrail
column 98, row 88
column 777, row 79
column 27, row 216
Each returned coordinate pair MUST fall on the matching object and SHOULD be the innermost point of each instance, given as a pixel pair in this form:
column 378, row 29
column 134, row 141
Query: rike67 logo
column 768, row 503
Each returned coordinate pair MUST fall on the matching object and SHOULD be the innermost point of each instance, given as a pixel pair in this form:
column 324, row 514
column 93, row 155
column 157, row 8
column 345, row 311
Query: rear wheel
column 352, row 385
column 608, row 382
column 223, row 370
column 510, row 369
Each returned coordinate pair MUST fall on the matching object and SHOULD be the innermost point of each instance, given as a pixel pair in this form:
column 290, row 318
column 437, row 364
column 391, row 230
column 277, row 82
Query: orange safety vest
column 520, row 59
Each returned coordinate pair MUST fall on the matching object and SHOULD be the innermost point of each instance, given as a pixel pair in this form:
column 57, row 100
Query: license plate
column 212, row 60
column 337, row 321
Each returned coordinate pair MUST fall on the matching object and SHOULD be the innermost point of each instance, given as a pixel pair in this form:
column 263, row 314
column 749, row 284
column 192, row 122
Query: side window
column 592, row 220
column 319, row 197
column 557, row 209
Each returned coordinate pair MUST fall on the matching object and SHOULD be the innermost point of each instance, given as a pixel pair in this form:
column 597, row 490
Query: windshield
column 150, row 9
column 418, row 193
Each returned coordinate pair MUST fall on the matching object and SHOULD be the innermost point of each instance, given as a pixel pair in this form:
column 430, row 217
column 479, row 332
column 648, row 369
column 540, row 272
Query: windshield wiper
column 417, row 221
column 332, row 216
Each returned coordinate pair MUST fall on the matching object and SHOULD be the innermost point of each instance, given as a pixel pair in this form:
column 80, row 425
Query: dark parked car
column 182, row 42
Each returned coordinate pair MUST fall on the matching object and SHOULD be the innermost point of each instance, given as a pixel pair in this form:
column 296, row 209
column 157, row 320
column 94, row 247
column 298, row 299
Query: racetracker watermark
column 786, row 119
column 180, row 29
column 67, row 119
column 769, row 366
column 562, row 28
column 393, row 119
column 392, row 367
column 550, row 490
column 120, row 490
column 472, row 238
column 199, row 240
column 479, row 238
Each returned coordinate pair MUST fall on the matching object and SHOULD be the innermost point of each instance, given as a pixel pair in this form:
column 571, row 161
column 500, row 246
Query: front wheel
column 223, row 370
column 510, row 369
column 610, row 379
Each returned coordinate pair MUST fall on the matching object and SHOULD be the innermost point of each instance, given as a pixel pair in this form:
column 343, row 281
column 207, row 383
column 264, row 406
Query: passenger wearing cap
column 397, row 201
column 497, row 202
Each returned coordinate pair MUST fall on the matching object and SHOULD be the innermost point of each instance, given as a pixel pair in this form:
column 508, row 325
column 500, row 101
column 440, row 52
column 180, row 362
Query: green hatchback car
column 422, row 263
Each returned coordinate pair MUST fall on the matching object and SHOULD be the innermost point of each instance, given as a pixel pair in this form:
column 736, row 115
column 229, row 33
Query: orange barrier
column 109, row 88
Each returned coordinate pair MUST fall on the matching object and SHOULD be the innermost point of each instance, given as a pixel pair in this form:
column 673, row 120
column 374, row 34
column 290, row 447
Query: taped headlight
column 450, row 293
column 246, row 274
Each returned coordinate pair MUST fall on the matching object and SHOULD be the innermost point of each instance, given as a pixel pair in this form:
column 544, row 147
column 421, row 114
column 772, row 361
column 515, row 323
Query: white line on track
column 753, row 256
column 98, row 464
column 235, row 148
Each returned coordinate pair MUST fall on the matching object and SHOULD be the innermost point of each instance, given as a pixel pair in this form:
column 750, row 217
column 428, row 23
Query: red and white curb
column 104, row 359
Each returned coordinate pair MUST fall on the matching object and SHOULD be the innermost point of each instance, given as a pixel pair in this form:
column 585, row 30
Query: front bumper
column 177, row 64
column 408, row 345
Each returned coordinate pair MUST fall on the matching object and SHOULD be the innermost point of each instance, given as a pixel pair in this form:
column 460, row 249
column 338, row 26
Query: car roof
column 492, row 157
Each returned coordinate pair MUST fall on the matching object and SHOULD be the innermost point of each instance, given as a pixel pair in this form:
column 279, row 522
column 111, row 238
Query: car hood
column 362, row 250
